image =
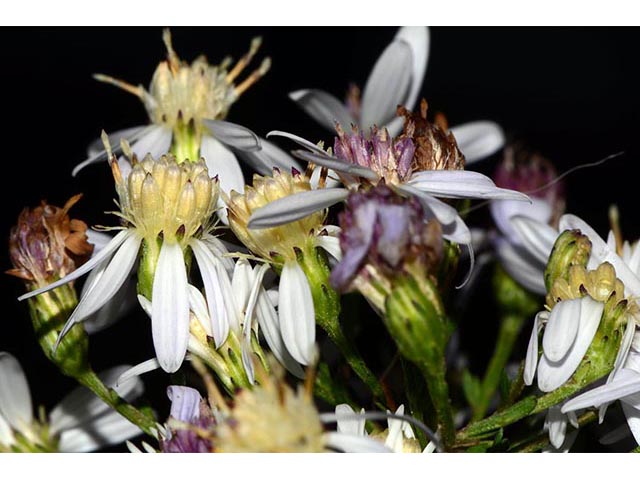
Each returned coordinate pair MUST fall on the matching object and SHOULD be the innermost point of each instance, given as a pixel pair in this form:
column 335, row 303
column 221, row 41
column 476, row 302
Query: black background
column 570, row 93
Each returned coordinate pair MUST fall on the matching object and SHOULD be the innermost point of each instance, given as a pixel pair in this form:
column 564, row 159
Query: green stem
column 326, row 302
column 439, row 394
column 146, row 423
column 508, row 334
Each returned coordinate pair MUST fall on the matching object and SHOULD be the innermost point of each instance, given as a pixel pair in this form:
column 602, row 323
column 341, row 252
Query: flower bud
column 571, row 248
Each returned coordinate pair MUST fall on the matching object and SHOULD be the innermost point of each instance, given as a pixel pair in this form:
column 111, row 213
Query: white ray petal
column 81, row 406
column 97, row 153
column 102, row 256
column 503, row 211
column 625, row 345
column 270, row 157
column 633, row 420
column 445, row 214
column 234, row 135
column 296, row 206
column 15, row 398
column 99, row 240
column 115, row 309
column 537, row 237
column 170, row 308
column 6, row 434
column 478, row 140
column 323, row 107
column 111, row 280
column 242, row 282
column 247, row 351
column 348, row 422
column 354, row 443
column 138, row 370
column 531, row 360
column 110, row 429
column 198, row 306
column 462, row 184
column 395, row 439
column 557, row 424
column 156, row 142
column 299, row 140
column 222, row 162
column 601, row 253
column 552, row 375
column 562, row 329
column 296, row 312
column 524, row 269
column 211, row 270
column 336, row 164
column 627, row 382
column 185, row 402
column 221, row 249
column 418, row 39
column 270, row 327
column 330, row 244
column 388, row 84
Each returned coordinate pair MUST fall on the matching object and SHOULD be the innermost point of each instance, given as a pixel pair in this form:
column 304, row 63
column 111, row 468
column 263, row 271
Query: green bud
column 571, row 248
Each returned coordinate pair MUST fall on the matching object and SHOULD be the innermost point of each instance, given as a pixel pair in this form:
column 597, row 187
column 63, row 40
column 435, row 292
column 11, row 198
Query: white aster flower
column 281, row 247
column 395, row 80
column 166, row 209
column 187, row 105
column 362, row 162
column 81, row 422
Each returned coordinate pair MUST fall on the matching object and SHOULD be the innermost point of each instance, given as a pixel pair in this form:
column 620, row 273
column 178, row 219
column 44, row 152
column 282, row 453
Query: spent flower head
column 46, row 244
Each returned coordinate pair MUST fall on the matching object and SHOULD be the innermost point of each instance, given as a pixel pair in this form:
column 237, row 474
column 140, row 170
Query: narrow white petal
column 503, row 211
column 394, row 438
column 110, row 429
column 348, row 422
column 388, row 84
column 234, row 135
column 336, row 164
column 445, row 214
column 524, row 269
column 6, row 434
column 562, row 329
column 81, row 407
column 198, row 306
column 185, row 403
column 102, row 256
column 625, row 345
column 270, row 327
column 557, row 425
column 536, row 236
column 296, row 206
column 296, row 312
column 99, row 240
column 97, row 153
column 221, row 162
column 331, row 245
column 242, row 282
column 220, row 250
column 211, row 272
column 531, row 360
column 626, row 383
column 247, row 350
column 15, row 398
column 478, row 140
column 633, row 420
column 299, row 140
column 170, row 308
column 552, row 375
column 462, row 184
column 138, row 370
column 418, row 39
column 323, row 107
column 600, row 253
column 354, row 443
column 156, row 142
column 115, row 309
column 270, row 157
column 111, row 280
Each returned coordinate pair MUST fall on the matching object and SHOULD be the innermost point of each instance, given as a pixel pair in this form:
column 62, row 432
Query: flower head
column 46, row 244
column 387, row 232
column 164, row 197
column 279, row 243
